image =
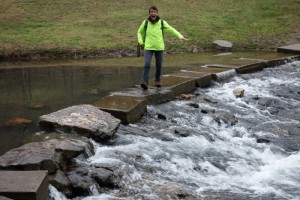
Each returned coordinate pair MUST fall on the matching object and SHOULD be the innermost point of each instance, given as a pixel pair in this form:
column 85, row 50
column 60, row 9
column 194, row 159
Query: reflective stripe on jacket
column 154, row 35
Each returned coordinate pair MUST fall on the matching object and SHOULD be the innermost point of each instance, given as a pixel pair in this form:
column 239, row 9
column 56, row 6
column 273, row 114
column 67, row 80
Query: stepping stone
column 293, row 48
column 19, row 185
column 178, row 85
column 218, row 73
column 153, row 95
column 128, row 109
column 203, row 79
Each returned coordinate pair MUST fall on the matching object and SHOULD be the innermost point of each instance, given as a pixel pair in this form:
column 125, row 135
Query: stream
column 211, row 146
column 214, row 145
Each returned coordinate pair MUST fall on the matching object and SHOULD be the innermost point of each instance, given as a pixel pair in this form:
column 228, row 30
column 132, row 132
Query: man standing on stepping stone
column 150, row 38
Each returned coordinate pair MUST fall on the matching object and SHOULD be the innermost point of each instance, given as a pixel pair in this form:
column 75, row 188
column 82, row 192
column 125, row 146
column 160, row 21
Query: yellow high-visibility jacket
column 154, row 39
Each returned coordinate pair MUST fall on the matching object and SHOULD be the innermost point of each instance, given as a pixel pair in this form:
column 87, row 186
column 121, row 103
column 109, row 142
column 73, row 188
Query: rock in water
column 222, row 45
column 17, row 121
column 239, row 92
column 48, row 155
column 86, row 120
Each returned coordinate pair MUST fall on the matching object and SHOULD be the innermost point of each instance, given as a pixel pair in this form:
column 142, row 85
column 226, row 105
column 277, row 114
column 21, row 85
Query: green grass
column 39, row 26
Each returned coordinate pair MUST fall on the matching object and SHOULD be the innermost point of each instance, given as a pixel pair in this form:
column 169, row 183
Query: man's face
column 153, row 14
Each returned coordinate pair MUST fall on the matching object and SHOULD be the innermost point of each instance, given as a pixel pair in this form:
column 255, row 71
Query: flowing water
column 214, row 145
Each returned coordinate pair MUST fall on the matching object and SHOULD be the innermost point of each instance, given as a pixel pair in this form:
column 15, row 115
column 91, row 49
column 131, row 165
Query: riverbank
column 37, row 30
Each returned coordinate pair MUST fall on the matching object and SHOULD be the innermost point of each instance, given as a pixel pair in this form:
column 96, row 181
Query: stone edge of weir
column 183, row 82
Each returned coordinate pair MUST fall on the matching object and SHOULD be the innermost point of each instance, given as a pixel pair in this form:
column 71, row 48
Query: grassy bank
column 108, row 27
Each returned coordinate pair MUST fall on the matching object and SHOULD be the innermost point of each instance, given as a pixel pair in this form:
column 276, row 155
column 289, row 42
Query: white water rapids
column 214, row 159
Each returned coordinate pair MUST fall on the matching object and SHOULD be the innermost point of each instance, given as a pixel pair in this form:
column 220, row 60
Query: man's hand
column 142, row 46
column 184, row 39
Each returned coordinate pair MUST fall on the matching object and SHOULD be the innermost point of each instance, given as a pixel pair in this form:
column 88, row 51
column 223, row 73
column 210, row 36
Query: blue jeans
column 158, row 64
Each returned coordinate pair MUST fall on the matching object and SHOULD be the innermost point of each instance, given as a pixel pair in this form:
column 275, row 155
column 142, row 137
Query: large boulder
column 49, row 155
column 86, row 120
column 57, row 156
column 86, row 178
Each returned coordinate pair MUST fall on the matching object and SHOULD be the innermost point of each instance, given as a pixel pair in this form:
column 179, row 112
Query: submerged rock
column 176, row 191
column 186, row 96
column 104, row 177
column 86, row 120
column 262, row 140
column 17, row 121
column 80, row 183
column 267, row 102
column 210, row 99
column 182, row 132
column 36, row 105
column 161, row 116
column 87, row 178
column 194, row 105
column 225, row 117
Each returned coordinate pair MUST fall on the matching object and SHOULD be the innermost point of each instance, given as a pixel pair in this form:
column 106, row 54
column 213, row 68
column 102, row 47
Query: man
column 150, row 38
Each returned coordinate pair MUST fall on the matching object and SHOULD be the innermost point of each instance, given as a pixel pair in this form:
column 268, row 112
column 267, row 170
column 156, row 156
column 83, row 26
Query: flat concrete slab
column 241, row 62
column 281, row 61
column 293, row 48
column 210, row 69
column 250, row 68
column 203, row 79
column 23, row 185
column 247, row 65
column 276, row 61
column 128, row 109
column 256, row 63
column 263, row 57
column 153, row 95
column 218, row 73
column 178, row 85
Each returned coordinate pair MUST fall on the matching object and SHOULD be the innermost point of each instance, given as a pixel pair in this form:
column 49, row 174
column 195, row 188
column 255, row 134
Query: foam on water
column 245, row 167
column 54, row 194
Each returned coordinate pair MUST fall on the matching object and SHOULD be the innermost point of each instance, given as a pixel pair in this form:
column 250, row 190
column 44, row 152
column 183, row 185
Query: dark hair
column 153, row 8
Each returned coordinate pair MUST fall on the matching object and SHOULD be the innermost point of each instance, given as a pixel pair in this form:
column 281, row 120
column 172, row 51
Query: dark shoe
column 144, row 85
column 157, row 84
